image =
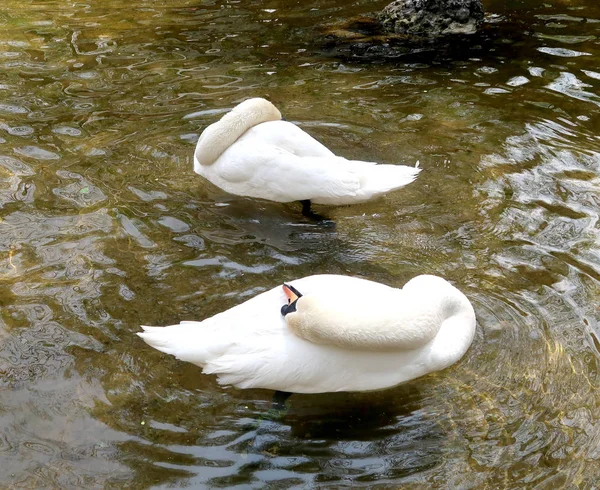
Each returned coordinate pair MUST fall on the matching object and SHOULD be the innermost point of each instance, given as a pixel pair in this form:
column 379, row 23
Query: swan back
column 219, row 136
column 380, row 318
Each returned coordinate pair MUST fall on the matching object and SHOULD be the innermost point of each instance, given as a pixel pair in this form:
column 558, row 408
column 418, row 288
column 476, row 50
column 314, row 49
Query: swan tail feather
column 210, row 348
column 383, row 178
column 188, row 341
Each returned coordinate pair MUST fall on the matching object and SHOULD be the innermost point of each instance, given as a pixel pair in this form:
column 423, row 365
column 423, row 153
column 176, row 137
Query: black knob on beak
column 289, row 308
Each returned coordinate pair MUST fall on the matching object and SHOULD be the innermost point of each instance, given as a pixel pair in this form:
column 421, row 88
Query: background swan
column 252, row 152
column 328, row 333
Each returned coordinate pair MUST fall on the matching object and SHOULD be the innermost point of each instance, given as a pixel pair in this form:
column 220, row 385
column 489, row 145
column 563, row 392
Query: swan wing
column 274, row 173
column 287, row 136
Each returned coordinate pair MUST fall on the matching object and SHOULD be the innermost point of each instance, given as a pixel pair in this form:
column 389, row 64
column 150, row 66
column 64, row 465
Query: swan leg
column 309, row 213
column 279, row 399
column 306, row 211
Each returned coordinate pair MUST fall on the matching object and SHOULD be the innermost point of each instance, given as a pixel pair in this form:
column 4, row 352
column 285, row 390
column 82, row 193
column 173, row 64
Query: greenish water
column 103, row 227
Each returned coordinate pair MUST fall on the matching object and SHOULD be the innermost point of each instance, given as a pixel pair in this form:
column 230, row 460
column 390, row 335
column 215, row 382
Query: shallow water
column 104, row 227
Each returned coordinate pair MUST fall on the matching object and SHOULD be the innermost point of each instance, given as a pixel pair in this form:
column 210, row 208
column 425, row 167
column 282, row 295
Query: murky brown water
column 103, row 227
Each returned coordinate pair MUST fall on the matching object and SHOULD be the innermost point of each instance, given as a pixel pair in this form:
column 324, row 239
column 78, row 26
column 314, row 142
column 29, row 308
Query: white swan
column 252, row 152
column 333, row 333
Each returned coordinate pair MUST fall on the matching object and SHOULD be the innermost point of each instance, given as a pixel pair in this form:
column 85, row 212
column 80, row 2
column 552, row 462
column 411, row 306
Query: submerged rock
column 363, row 38
column 432, row 18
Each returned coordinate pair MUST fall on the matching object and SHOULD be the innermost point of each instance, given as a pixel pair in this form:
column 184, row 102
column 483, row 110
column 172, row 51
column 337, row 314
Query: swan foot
column 279, row 399
column 309, row 213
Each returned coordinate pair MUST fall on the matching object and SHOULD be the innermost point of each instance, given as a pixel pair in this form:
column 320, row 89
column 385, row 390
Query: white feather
column 251, row 152
column 252, row 346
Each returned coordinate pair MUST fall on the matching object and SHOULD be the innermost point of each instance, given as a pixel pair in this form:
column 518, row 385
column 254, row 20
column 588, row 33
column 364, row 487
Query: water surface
column 104, row 227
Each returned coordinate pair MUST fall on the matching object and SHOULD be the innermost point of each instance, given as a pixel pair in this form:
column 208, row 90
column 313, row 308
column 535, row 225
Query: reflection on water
column 104, row 228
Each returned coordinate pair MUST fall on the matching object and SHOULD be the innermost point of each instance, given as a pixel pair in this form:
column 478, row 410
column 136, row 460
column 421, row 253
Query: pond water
column 104, row 226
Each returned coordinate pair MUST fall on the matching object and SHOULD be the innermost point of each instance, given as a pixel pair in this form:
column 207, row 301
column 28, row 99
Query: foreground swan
column 252, row 152
column 328, row 333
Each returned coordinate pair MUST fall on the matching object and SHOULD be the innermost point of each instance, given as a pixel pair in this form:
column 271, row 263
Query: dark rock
column 432, row 18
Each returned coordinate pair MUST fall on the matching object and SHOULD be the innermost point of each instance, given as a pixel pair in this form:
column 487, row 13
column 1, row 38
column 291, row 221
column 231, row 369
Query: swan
column 328, row 333
column 251, row 151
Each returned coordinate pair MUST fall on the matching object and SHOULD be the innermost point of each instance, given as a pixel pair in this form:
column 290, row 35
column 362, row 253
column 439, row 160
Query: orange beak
column 291, row 296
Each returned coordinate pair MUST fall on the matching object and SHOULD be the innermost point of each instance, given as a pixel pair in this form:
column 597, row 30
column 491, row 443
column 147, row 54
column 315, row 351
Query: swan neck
column 217, row 137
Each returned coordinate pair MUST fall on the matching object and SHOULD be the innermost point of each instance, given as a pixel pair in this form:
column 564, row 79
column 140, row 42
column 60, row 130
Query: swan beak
column 291, row 293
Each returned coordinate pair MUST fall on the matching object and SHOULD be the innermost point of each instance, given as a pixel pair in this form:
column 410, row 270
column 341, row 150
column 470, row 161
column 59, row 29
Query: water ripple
column 105, row 227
